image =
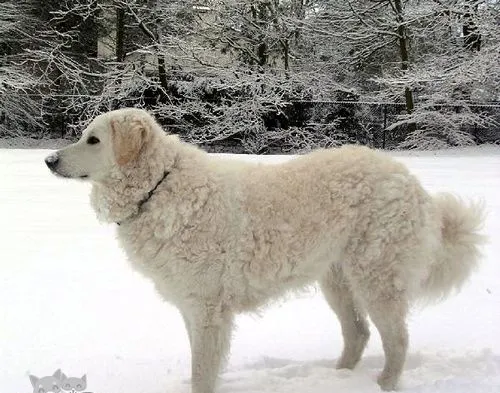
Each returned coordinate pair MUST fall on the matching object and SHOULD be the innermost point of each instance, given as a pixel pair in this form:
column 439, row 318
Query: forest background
column 257, row 76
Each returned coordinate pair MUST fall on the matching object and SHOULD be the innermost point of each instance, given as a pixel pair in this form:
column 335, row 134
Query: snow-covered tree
column 19, row 109
column 260, row 74
column 454, row 68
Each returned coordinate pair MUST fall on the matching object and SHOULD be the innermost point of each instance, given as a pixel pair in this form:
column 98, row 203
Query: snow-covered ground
column 69, row 300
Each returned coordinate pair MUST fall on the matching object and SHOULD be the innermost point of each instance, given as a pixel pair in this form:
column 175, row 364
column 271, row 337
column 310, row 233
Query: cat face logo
column 58, row 383
column 72, row 384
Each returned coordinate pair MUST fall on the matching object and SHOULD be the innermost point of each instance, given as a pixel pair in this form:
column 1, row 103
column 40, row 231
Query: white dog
column 219, row 237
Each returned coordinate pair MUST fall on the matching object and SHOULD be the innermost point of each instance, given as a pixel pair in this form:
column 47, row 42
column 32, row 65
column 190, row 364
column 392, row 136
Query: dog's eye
column 92, row 140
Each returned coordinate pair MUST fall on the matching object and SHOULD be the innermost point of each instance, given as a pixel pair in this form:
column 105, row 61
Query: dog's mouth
column 66, row 176
column 59, row 174
column 53, row 162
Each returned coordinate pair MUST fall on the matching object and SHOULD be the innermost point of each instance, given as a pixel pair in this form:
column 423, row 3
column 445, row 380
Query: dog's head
column 112, row 140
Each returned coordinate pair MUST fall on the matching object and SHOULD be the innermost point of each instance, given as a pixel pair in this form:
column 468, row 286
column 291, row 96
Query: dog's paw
column 346, row 364
column 387, row 382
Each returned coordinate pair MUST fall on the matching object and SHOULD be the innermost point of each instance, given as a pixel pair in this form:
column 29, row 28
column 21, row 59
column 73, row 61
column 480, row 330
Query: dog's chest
column 177, row 265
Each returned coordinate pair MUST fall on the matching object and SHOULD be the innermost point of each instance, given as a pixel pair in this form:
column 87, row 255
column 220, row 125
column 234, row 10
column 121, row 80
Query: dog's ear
column 58, row 374
column 129, row 136
column 34, row 380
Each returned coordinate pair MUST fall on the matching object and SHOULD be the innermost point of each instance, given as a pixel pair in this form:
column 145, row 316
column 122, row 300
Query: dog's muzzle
column 52, row 161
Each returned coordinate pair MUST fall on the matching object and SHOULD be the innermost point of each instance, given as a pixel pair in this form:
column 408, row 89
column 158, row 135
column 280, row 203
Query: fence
column 368, row 122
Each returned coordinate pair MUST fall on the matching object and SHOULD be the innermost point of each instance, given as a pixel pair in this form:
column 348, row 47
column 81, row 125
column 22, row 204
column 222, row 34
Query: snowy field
column 69, row 300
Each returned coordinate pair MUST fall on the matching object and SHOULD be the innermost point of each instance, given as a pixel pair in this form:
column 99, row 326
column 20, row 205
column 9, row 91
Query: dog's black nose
column 52, row 161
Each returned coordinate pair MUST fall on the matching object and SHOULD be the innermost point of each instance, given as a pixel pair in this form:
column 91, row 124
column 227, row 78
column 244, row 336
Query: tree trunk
column 120, row 33
column 162, row 71
column 107, row 34
column 286, row 54
column 299, row 13
column 405, row 61
column 472, row 37
column 155, row 38
column 259, row 15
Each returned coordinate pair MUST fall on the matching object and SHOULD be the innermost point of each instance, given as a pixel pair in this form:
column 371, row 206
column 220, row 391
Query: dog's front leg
column 210, row 340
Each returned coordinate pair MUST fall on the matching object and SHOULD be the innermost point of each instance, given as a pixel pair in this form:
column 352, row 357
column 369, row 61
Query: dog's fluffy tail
column 459, row 253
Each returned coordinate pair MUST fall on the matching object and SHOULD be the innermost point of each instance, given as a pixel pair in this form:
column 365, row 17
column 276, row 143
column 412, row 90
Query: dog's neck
column 146, row 199
column 117, row 201
column 123, row 193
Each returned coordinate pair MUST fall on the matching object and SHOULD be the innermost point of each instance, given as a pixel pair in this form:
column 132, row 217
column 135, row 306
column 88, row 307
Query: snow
column 69, row 300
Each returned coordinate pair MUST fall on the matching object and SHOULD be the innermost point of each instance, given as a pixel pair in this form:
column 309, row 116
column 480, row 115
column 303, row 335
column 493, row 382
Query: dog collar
column 147, row 198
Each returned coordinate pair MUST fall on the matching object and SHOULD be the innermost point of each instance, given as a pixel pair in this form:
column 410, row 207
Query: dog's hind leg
column 352, row 318
column 389, row 316
column 210, row 340
column 187, row 323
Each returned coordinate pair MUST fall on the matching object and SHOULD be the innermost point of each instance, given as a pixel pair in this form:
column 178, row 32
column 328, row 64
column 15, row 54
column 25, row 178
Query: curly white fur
column 219, row 237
